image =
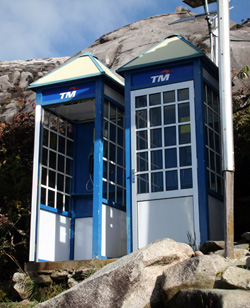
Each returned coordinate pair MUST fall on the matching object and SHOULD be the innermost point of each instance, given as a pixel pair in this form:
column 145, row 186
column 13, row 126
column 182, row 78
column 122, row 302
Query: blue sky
column 33, row 29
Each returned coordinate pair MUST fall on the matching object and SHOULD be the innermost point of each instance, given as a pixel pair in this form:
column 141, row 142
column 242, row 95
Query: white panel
column 54, row 237
column 166, row 218
column 216, row 219
column 114, row 235
column 83, row 238
column 113, row 94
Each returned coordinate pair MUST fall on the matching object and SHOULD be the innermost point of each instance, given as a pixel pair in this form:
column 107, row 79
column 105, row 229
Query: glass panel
column 45, row 157
column 210, row 118
column 112, row 151
column 142, row 184
column 169, row 114
column 46, row 119
column 184, row 134
column 141, row 118
column 169, row 97
column 155, row 116
column 111, row 192
column 52, row 160
column 156, row 160
column 218, row 164
column 105, row 149
column 212, row 162
column 105, row 169
column 155, row 99
column 43, row 196
column 217, row 143
column 213, row 182
column 142, row 161
column 62, row 127
column 111, row 172
column 142, row 140
column 209, row 97
column 59, row 202
column 211, row 139
column 120, row 121
column 61, row 163
column 170, row 158
column 45, row 137
column 44, row 176
column 219, row 185
column 171, row 180
column 185, row 156
column 105, row 129
column 119, row 192
column 216, row 102
column 67, row 188
column 68, row 166
column 112, row 132
column 53, row 122
column 53, row 141
column 119, row 176
column 186, row 178
column 141, row 101
column 155, row 138
column 70, row 130
column 170, row 136
column 106, row 110
column 60, row 179
column 61, row 145
column 51, row 198
column 120, row 140
column 216, row 123
column 120, row 155
column 156, row 181
column 183, row 112
column 183, row 94
column 67, row 203
column 112, row 113
column 69, row 148
column 52, row 179
column 105, row 192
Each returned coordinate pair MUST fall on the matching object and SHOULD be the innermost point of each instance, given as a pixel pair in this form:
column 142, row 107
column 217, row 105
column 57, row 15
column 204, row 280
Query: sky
column 32, row 29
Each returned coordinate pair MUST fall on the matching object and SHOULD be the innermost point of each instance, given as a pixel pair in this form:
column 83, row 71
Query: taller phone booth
column 78, row 196
column 173, row 145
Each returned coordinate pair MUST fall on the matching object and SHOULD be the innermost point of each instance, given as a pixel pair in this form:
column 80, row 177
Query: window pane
column 120, row 138
column 183, row 94
column 69, row 130
column 184, row 134
column 218, row 164
column 112, row 113
column 212, row 161
column 61, row 145
column 111, row 172
column 45, row 157
column 156, row 160
column 106, row 109
column 141, row 118
column 216, row 123
column 169, row 97
column 170, row 158
column 45, row 137
column 183, row 112
column 104, row 191
column 53, row 141
column 44, row 176
column 186, row 178
column 155, row 116
column 119, row 176
column 112, row 132
column 155, row 99
column 155, row 138
column 170, row 136
column 67, row 203
column 52, row 160
column 141, row 101
column 210, row 118
column 142, row 140
column 171, row 180
column 62, row 127
column 67, row 181
column 185, row 156
column 211, row 139
column 68, row 166
column 59, row 202
column 112, row 152
column 120, row 156
column 51, row 198
column 120, row 121
column 52, row 179
column 209, row 97
column 112, row 193
column 43, row 196
column 46, row 119
column 156, row 181
column 105, row 149
column 60, row 163
column 142, row 184
column 53, row 122
column 169, row 114
column 60, row 179
column 142, row 161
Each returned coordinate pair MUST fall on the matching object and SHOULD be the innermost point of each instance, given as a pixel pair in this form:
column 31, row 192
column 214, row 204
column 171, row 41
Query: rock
column 23, row 285
column 25, row 80
column 246, row 236
column 198, row 253
column 4, row 83
column 59, row 275
column 238, row 253
column 133, row 281
column 242, row 246
column 72, row 282
column 197, row 272
column 82, row 273
column 243, row 261
column 212, row 246
column 236, row 278
column 10, row 111
column 188, row 250
column 212, row 298
column 43, row 280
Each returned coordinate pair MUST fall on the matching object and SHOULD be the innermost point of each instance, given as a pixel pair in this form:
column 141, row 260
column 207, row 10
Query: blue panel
column 128, row 162
column 201, row 155
column 164, row 75
column 69, row 93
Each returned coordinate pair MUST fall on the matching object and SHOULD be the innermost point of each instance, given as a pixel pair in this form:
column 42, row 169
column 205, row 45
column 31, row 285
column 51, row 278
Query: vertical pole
column 226, row 123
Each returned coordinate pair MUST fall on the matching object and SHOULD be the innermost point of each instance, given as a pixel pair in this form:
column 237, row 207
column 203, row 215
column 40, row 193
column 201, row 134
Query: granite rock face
column 115, row 49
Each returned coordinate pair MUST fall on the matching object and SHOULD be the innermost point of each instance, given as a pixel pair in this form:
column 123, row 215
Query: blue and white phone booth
column 78, row 198
column 173, row 145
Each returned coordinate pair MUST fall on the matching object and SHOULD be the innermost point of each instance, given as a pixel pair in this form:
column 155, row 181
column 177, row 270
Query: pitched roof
column 173, row 48
column 84, row 66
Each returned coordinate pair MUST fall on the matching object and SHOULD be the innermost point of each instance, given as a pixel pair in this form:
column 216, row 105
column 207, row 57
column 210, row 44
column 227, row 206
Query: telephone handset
column 91, row 169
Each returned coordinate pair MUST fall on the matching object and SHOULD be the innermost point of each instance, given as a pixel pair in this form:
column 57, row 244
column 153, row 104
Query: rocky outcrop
column 115, row 49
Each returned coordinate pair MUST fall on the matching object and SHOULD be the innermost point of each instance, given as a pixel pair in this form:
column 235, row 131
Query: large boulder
column 131, row 282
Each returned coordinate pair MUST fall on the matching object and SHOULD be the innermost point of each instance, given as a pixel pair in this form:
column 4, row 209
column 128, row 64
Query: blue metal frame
column 98, row 170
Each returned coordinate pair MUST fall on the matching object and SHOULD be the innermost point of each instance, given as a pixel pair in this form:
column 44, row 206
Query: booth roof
column 84, row 66
column 173, row 48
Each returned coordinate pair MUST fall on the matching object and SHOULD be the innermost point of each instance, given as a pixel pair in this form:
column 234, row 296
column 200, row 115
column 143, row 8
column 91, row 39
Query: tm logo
column 163, row 77
column 69, row 94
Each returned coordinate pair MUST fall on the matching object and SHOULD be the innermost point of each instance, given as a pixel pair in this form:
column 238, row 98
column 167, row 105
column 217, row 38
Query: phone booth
column 173, row 145
column 78, row 197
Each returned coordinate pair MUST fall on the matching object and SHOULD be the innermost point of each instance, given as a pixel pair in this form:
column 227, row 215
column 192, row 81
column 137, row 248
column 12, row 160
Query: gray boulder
column 198, row 272
column 212, row 298
column 236, row 278
column 131, row 282
column 23, row 285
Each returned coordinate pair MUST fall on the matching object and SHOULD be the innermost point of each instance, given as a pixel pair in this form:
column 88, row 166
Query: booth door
column 163, row 159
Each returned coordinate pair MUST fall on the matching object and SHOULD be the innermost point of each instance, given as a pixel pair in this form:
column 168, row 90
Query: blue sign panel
column 162, row 76
column 69, row 93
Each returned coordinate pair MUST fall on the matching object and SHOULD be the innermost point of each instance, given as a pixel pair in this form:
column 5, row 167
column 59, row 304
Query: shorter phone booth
column 78, row 198
column 173, row 145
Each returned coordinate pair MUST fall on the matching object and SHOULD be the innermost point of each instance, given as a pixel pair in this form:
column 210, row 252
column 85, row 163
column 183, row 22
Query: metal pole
column 227, row 123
